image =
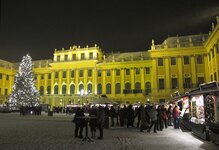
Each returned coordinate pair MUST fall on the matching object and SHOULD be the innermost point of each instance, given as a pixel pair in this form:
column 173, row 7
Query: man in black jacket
column 79, row 122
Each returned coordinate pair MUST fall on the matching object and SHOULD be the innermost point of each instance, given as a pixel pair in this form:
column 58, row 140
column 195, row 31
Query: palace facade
column 80, row 75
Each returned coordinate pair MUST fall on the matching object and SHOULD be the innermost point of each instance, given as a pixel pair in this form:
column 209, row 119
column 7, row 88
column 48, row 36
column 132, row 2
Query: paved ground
column 56, row 133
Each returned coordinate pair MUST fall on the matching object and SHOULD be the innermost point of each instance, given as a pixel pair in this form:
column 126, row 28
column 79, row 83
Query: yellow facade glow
column 79, row 75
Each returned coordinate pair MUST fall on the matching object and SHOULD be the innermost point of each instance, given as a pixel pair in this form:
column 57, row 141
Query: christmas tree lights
column 24, row 91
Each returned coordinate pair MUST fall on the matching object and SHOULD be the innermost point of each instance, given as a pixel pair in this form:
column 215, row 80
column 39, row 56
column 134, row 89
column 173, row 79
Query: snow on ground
column 57, row 133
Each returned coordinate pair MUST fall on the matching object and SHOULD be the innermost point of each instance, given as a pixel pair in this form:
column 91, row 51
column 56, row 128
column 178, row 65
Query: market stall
column 197, row 113
column 212, row 115
column 184, row 114
column 204, row 111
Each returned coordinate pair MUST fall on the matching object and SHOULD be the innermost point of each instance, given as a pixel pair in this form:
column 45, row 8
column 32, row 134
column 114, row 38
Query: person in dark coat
column 112, row 113
column 122, row 115
column 176, row 113
column 159, row 119
column 152, row 112
column 138, row 114
column 165, row 117
column 107, row 114
column 170, row 115
column 79, row 123
column 130, row 116
column 100, row 121
column 93, row 121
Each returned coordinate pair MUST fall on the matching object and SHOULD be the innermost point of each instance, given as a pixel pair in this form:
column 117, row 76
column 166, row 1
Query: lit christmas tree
column 24, row 91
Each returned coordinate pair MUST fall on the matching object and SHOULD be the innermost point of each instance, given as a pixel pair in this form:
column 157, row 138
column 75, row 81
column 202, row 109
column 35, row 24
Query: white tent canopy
column 103, row 100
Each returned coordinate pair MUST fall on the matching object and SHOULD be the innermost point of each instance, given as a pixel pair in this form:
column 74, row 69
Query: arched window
column 41, row 90
column 137, row 85
column 147, row 88
column 56, row 89
column 48, row 89
column 81, row 86
column 118, row 88
column 127, row 88
column 64, row 89
column 137, row 88
column 108, row 88
column 72, row 89
column 89, row 88
column 99, row 89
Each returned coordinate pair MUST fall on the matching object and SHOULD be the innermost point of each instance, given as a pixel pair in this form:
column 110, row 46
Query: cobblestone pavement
column 56, row 133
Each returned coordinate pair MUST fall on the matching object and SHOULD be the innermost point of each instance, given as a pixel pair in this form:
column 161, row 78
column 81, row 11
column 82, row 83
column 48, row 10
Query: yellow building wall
column 92, row 58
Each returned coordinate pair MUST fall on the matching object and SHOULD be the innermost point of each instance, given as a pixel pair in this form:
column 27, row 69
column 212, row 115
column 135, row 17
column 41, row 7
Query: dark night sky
column 39, row 26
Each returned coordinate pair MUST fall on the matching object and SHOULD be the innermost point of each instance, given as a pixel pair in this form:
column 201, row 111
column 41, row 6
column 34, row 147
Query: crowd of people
column 30, row 110
column 147, row 117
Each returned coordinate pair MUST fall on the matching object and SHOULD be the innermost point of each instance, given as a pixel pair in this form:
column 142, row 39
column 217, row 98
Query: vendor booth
column 185, row 112
column 204, row 111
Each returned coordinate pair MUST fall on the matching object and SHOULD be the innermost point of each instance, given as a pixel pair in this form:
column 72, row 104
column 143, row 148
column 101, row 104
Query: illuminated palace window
column 41, row 90
column 56, row 74
column 201, row 80
column 49, row 90
column 81, row 73
column 199, row 59
column 7, row 77
column 108, row 88
column 137, row 88
column 99, row 89
column 42, row 76
column 56, row 89
column 212, row 53
column 6, row 91
column 186, row 60
column 117, row 72
column 160, row 61
column 89, row 88
column 107, row 72
column 147, row 70
column 137, row 70
column 99, row 73
column 58, row 58
column 118, row 88
column 72, row 89
column 91, row 56
column 89, row 73
column 72, row 74
column 187, row 83
column 82, row 56
column 161, row 84
column 49, row 76
column 66, row 57
column 127, row 71
column 174, row 83
column 127, row 88
column 74, row 57
column 81, row 87
column 173, row 60
column 64, row 74
column 147, row 88
column 215, row 76
column 63, row 89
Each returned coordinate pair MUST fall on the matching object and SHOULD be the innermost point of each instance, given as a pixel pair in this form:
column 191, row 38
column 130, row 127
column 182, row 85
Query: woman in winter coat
column 130, row 116
column 176, row 117
column 100, row 121
column 79, row 122
column 93, row 121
